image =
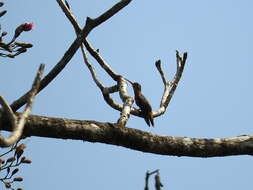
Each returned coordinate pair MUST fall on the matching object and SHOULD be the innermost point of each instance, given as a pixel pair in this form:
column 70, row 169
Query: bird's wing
column 144, row 105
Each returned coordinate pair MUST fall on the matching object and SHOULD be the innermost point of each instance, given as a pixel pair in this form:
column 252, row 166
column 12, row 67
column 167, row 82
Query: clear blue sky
column 214, row 97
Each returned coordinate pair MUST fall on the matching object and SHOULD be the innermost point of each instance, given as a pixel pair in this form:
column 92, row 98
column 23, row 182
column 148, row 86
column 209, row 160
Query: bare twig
column 170, row 86
column 108, row 14
column 105, row 91
column 158, row 184
column 67, row 11
column 92, row 70
column 166, row 86
column 159, row 68
column 146, row 181
column 91, row 50
column 100, row 60
column 90, row 25
column 18, row 124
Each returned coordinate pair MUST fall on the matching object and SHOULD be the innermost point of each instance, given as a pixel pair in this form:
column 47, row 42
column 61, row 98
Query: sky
column 213, row 98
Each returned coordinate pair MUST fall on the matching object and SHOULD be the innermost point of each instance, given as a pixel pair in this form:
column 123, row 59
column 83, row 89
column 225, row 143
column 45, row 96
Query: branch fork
column 126, row 109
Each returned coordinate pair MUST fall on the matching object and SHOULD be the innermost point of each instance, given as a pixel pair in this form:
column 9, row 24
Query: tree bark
column 114, row 134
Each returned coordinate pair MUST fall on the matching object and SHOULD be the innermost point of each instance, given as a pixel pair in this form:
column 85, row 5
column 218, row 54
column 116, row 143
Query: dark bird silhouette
column 143, row 103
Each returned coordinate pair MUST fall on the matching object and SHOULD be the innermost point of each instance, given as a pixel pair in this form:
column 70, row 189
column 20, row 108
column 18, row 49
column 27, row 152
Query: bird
column 142, row 103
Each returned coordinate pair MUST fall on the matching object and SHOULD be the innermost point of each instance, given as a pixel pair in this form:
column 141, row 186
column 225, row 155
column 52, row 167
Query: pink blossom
column 21, row 28
column 28, row 26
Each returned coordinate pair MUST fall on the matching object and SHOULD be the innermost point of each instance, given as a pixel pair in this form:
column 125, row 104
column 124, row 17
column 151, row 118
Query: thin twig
column 165, row 83
column 108, row 14
column 67, row 11
column 146, row 181
column 105, row 91
column 158, row 183
column 159, row 68
column 18, row 124
column 170, row 86
column 92, row 70
column 177, row 77
column 148, row 174
column 100, row 60
column 91, row 50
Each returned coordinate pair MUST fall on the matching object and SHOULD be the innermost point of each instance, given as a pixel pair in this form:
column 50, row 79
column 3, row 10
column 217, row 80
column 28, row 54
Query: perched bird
column 143, row 103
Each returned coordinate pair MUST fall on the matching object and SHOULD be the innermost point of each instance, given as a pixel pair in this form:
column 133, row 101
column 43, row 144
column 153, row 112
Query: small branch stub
column 158, row 183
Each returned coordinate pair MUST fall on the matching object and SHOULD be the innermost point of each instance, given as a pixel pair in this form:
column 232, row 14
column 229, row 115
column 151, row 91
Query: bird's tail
column 147, row 121
column 151, row 118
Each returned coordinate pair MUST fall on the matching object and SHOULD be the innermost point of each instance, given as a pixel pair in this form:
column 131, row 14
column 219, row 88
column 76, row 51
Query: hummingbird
column 142, row 102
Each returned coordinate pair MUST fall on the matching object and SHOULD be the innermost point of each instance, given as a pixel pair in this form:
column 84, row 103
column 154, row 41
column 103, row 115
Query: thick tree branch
column 110, row 133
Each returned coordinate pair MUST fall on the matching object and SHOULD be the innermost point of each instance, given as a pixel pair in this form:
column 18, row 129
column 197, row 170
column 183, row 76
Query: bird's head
column 136, row 85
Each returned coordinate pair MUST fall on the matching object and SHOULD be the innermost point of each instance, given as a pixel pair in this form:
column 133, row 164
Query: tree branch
column 90, row 25
column 158, row 183
column 128, row 101
column 110, row 133
column 18, row 124
column 100, row 60
column 170, row 86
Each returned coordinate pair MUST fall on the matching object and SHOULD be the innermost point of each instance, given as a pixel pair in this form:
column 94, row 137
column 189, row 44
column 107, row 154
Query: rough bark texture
column 114, row 134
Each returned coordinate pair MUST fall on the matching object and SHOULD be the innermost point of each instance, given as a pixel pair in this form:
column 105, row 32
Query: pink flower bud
column 28, row 26
column 21, row 28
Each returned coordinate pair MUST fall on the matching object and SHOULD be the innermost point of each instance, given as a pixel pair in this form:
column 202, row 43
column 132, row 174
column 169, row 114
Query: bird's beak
column 129, row 81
